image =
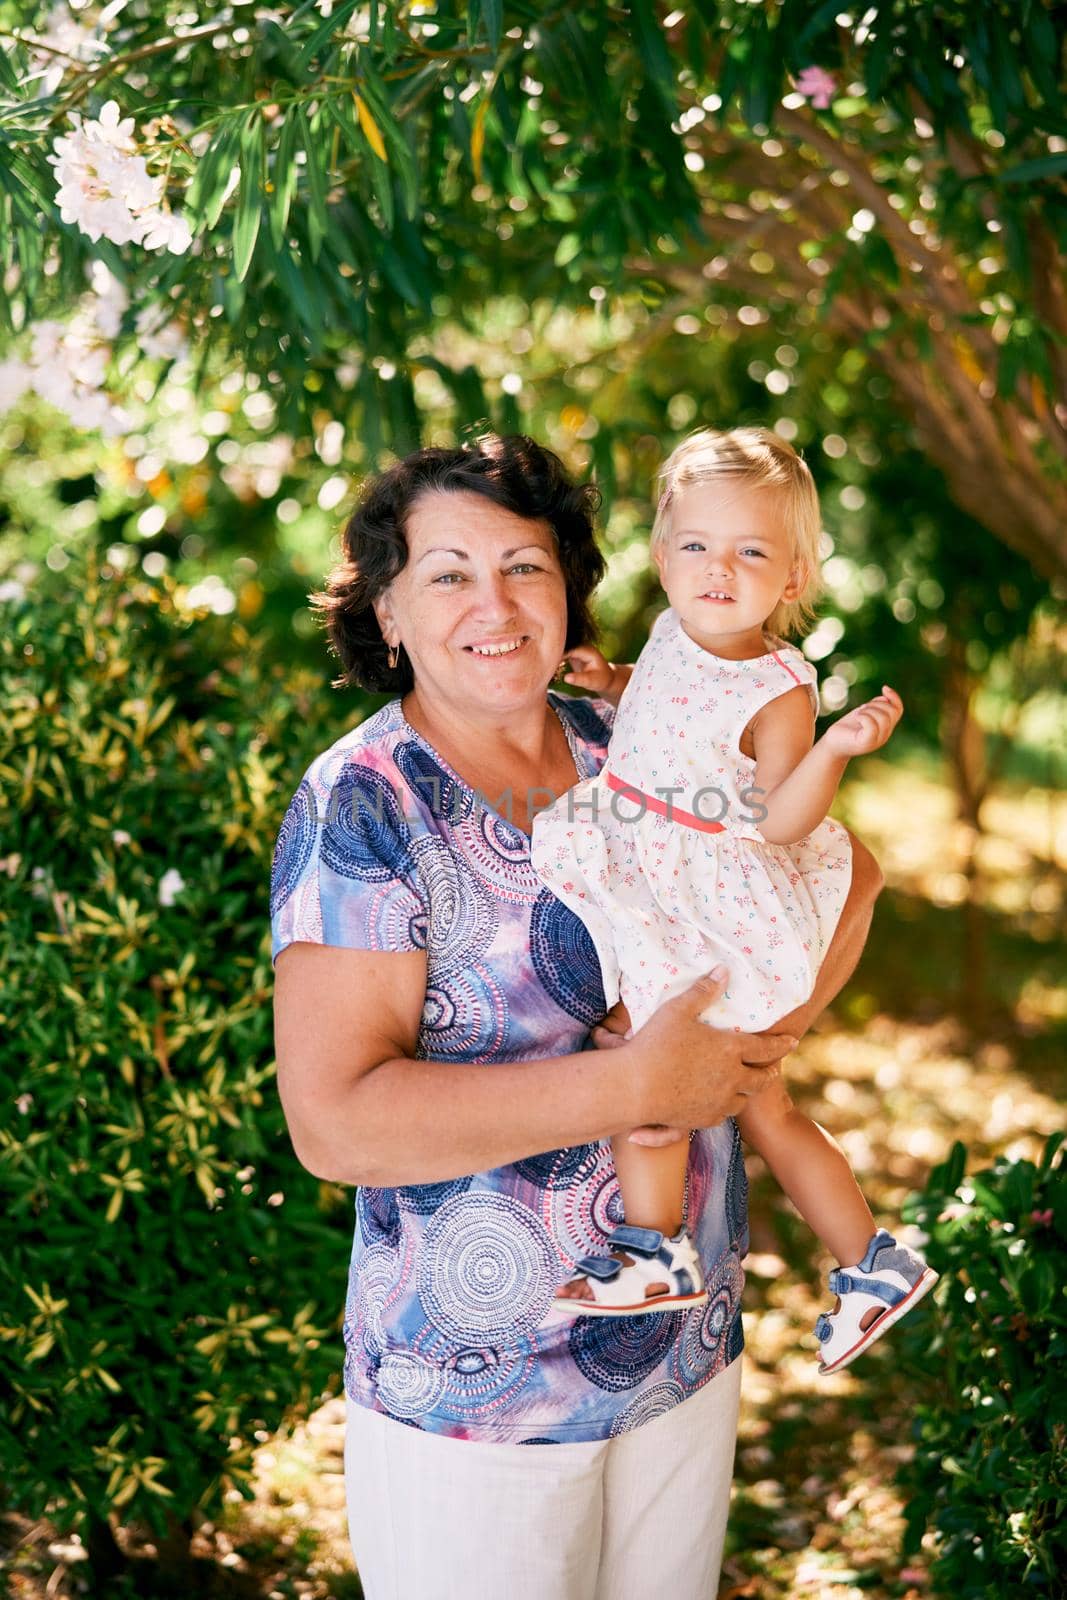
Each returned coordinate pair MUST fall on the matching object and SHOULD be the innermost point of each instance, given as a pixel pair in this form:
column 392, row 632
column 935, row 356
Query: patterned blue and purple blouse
column 448, row 1325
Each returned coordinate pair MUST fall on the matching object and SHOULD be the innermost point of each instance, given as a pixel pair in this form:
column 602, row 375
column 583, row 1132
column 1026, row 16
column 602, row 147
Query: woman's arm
column 360, row 1109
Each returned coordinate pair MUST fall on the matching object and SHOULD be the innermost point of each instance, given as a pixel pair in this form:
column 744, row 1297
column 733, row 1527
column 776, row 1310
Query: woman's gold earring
column 394, row 656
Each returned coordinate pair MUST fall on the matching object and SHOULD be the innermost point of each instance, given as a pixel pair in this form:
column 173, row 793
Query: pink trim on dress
column 786, row 667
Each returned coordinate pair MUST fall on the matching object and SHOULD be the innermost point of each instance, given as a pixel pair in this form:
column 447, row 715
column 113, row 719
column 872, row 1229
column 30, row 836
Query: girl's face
column 726, row 563
column 480, row 607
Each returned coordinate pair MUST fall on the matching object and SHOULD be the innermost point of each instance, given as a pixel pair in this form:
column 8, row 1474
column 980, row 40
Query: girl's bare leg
column 652, row 1182
column 813, row 1170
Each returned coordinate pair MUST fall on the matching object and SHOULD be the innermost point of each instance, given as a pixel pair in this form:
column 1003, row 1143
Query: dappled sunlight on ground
column 815, row 1500
column 908, row 818
column 897, row 1074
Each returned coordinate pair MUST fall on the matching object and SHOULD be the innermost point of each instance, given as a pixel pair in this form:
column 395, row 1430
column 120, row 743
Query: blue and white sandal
column 889, row 1280
column 647, row 1272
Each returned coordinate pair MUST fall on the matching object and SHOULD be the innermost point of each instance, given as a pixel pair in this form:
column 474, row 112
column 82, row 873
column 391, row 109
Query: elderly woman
column 433, row 1004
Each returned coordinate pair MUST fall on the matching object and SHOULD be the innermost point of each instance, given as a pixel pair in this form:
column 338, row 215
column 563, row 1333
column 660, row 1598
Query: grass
column 902, row 1068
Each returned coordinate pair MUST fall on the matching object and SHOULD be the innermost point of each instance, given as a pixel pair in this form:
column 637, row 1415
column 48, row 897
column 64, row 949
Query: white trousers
column 432, row 1518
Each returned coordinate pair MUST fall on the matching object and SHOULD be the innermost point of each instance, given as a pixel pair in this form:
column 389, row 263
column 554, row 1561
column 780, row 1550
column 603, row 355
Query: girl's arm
column 588, row 669
column 800, row 780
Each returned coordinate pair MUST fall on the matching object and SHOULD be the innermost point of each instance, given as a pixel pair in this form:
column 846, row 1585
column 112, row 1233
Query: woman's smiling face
column 481, row 606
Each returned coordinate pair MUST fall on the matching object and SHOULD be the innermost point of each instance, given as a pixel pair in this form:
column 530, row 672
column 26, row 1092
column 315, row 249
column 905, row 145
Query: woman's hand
column 609, row 1035
column 693, row 1075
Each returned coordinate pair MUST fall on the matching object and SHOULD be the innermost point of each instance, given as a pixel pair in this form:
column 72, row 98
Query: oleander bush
column 170, row 1278
column 989, row 1475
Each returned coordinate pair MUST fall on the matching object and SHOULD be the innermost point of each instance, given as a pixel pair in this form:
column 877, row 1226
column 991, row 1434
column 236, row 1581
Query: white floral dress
column 661, row 854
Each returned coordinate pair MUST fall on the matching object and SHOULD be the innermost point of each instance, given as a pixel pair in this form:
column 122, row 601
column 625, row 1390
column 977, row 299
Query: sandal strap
column 657, row 1260
column 642, row 1241
column 602, row 1267
column 842, row 1283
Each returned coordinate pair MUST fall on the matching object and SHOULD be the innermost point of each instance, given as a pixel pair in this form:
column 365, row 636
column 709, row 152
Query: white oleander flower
column 65, row 33
column 70, row 362
column 105, row 188
column 170, row 886
column 108, row 303
column 15, row 378
column 211, row 592
column 168, row 231
column 159, row 336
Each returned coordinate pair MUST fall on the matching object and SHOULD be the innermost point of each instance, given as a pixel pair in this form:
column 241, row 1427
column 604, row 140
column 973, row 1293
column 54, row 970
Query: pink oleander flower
column 816, row 85
column 1043, row 1219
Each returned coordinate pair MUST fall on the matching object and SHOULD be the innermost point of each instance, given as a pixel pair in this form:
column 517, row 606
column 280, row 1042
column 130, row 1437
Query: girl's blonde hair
column 756, row 457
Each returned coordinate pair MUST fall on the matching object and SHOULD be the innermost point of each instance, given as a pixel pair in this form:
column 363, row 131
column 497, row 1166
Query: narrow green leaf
column 36, row 182
column 207, row 192
column 1052, row 1145
column 1040, row 167
column 325, row 31
column 395, row 270
column 8, row 75
column 283, row 180
column 249, row 196
column 280, row 46
column 383, row 189
column 652, row 47
column 373, row 91
column 487, row 14
column 1041, row 49
column 821, row 19
column 315, row 173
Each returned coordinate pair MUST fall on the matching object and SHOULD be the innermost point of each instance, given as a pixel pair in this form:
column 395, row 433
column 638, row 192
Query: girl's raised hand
column 866, row 728
column 585, row 668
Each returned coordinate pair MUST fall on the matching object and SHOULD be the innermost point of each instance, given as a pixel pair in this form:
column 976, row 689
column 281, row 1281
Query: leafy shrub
column 990, row 1469
column 170, row 1278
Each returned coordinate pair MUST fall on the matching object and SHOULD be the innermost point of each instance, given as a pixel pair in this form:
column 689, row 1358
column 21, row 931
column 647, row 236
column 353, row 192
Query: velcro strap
column 822, row 1328
column 643, row 1241
column 603, row 1268
column 851, row 1283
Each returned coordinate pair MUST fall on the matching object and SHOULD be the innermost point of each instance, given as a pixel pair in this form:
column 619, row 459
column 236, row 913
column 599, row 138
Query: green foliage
column 169, row 1275
column 393, row 161
column 990, row 1469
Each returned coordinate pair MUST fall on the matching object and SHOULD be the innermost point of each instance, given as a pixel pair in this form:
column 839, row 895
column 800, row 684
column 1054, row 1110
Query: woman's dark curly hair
column 514, row 472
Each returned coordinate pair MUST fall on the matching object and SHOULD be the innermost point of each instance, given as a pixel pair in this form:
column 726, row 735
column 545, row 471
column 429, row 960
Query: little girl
column 705, row 839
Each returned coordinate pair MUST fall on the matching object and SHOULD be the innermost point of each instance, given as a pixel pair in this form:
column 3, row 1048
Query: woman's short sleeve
column 344, row 870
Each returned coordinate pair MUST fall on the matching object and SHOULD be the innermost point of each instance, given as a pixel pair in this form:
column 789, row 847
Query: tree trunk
column 964, row 742
column 996, row 445
column 106, row 1560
